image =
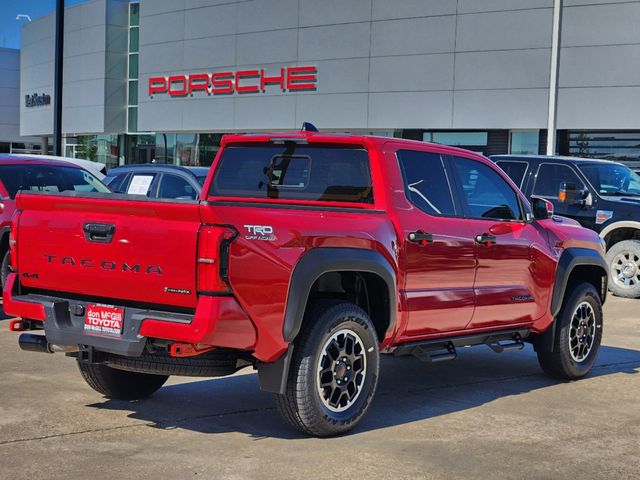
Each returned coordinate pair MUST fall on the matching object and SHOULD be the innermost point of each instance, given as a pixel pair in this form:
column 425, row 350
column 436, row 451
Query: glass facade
column 457, row 139
column 477, row 141
column 526, row 142
column 619, row 146
column 97, row 148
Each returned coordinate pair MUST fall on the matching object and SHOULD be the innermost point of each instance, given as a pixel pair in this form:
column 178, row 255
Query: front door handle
column 420, row 237
column 484, row 239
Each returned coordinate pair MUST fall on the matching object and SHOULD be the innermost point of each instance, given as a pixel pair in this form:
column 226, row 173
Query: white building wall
column 94, row 87
column 9, row 95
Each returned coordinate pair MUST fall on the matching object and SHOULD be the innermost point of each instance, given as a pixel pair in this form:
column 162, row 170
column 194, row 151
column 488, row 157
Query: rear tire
column 5, row 268
column 334, row 370
column 624, row 269
column 578, row 335
column 119, row 384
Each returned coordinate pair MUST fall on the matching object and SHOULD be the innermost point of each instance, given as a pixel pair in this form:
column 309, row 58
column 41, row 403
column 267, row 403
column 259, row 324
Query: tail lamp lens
column 213, row 258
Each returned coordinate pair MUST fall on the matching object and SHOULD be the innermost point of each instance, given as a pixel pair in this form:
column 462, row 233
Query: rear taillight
column 13, row 240
column 213, row 258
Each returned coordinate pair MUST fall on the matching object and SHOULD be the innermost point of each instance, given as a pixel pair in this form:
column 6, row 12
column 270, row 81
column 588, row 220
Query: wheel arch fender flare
column 273, row 376
column 569, row 260
column 620, row 224
column 319, row 261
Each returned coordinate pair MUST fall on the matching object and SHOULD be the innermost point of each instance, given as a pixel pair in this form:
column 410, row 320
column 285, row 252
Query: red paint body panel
column 153, row 247
column 451, row 286
column 218, row 321
column 32, row 311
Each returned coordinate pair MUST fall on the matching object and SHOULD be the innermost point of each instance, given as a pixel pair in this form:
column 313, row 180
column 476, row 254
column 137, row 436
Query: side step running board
column 516, row 343
column 435, row 353
column 442, row 349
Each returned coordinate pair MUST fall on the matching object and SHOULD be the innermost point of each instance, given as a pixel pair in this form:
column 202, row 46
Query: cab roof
column 555, row 158
column 309, row 137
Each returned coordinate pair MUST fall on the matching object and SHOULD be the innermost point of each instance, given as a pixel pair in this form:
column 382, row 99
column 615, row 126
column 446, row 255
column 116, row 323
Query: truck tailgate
column 112, row 247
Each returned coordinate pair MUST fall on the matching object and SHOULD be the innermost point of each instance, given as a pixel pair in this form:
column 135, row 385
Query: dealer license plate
column 104, row 319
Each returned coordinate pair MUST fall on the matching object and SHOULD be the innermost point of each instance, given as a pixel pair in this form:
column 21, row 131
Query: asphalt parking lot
column 482, row 416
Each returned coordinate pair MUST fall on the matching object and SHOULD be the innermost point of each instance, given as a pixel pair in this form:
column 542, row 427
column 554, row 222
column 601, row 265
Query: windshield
column 201, row 179
column 612, row 179
column 48, row 178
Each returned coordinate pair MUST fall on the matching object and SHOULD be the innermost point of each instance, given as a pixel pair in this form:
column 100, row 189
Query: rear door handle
column 420, row 237
column 484, row 239
column 99, row 232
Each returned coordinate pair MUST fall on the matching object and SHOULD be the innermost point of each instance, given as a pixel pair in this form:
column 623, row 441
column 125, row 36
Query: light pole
column 57, row 81
column 552, row 118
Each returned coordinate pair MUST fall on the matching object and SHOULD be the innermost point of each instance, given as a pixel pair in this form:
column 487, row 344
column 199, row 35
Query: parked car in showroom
column 600, row 194
column 306, row 256
column 158, row 180
column 42, row 174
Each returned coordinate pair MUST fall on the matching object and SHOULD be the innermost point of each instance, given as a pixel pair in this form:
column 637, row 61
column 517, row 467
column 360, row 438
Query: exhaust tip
column 34, row 343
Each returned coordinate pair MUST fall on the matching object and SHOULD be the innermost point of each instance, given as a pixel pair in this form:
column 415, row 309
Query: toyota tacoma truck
column 306, row 256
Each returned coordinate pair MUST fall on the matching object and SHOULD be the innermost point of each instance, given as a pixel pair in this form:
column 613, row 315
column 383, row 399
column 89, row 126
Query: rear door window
column 294, row 172
column 118, row 184
column 142, row 184
column 515, row 170
column 175, row 187
column 425, row 182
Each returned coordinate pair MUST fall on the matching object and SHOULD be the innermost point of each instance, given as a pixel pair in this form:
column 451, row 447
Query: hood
column 565, row 233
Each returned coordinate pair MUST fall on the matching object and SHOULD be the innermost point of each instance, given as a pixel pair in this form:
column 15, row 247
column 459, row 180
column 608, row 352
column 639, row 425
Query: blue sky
column 10, row 27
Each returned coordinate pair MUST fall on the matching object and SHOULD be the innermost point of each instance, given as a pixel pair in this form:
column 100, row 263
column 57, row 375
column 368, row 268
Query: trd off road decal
column 259, row 232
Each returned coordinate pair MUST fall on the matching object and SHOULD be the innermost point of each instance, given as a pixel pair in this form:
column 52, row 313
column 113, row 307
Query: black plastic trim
column 483, row 338
column 291, row 206
column 109, row 196
column 273, row 376
column 571, row 258
column 65, row 328
column 332, row 259
column 57, row 295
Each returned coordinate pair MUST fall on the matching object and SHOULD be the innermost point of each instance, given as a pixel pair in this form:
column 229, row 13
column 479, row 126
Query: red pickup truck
column 307, row 256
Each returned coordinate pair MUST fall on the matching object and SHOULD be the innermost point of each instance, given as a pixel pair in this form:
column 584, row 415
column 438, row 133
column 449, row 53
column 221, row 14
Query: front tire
column 578, row 335
column 120, row 384
column 624, row 269
column 334, row 370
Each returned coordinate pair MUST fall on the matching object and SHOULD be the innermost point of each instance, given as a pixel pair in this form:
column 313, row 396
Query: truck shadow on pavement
column 408, row 391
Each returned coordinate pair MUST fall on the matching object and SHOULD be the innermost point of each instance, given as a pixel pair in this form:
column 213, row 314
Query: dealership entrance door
column 145, row 154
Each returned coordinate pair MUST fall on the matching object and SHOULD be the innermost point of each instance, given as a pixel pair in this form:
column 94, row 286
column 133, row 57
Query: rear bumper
column 218, row 321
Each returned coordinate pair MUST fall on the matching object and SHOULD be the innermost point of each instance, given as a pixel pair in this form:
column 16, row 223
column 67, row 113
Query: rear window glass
column 48, row 178
column 118, row 183
column 515, row 171
column 294, row 172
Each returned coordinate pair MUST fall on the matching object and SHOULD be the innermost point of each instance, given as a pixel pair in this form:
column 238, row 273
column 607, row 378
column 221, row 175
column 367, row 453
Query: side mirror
column 542, row 208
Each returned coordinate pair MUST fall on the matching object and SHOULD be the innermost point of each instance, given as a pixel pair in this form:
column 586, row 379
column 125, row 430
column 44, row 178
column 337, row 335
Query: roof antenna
column 308, row 127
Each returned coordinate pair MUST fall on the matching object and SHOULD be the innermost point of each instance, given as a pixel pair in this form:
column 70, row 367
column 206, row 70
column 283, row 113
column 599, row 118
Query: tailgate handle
column 99, row 232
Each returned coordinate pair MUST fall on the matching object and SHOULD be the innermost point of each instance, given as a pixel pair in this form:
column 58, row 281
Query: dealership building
column 162, row 80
